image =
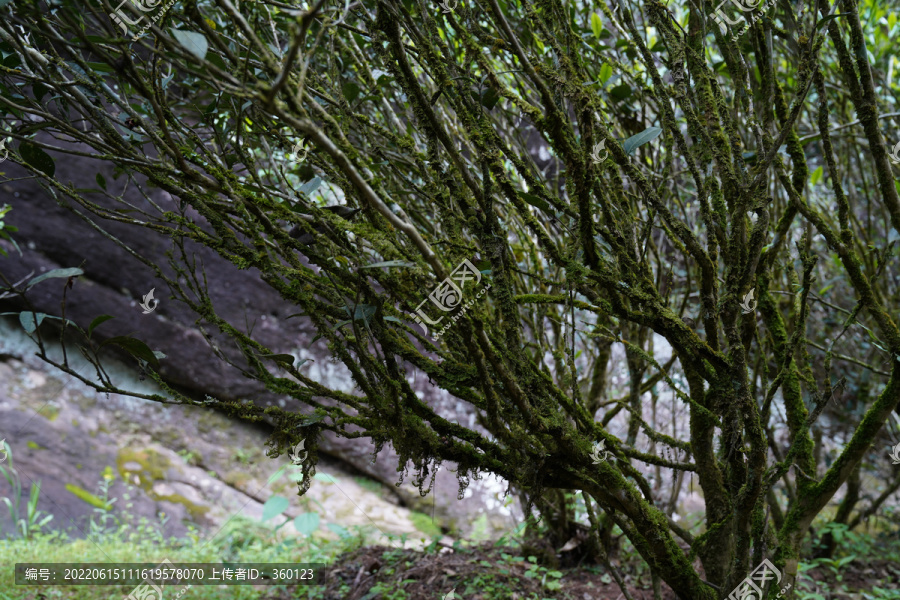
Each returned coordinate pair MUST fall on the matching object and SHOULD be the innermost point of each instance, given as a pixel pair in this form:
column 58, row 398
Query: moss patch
column 235, row 478
column 50, row 412
column 423, row 523
column 208, row 421
column 152, row 467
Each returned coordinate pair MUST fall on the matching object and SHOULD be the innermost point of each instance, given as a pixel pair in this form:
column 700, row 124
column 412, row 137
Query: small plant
column 6, row 229
column 536, row 570
column 103, row 522
column 242, row 456
column 190, row 457
column 877, row 593
column 388, row 592
column 34, row 519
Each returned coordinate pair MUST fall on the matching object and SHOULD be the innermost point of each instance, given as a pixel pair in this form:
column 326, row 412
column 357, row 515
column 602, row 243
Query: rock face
column 192, row 465
column 54, row 236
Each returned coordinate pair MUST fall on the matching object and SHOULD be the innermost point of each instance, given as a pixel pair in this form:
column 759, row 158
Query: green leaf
column 12, row 61
column 816, row 176
column 389, row 264
column 37, row 158
column 361, row 311
column 101, row 181
column 351, row 91
column 287, row 359
column 312, row 419
column 394, row 319
column 621, row 92
column 605, row 73
column 98, row 321
column 829, row 18
column 843, row 561
column 490, row 98
column 306, row 523
column 193, row 42
column 273, row 507
column 310, row 186
column 135, row 347
column 635, row 141
column 87, row 497
column 341, row 532
column 536, row 202
column 37, row 89
column 382, row 78
column 28, row 318
column 73, row 272
column 101, row 67
column 596, row 25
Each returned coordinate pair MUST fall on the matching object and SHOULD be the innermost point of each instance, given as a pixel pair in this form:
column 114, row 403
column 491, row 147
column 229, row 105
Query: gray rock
column 52, row 236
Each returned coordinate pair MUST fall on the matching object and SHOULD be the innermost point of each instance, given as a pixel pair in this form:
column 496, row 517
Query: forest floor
column 486, row 572
column 482, row 572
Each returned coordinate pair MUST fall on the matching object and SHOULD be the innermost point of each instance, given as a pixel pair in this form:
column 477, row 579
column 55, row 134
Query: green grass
column 122, row 538
column 55, row 548
column 241, row 540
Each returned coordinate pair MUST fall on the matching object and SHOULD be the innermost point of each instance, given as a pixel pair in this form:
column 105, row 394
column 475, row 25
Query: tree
column 570, row 178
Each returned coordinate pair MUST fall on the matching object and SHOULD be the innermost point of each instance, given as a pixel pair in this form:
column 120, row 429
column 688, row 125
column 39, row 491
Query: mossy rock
column 236, row 478
column 151, row 467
